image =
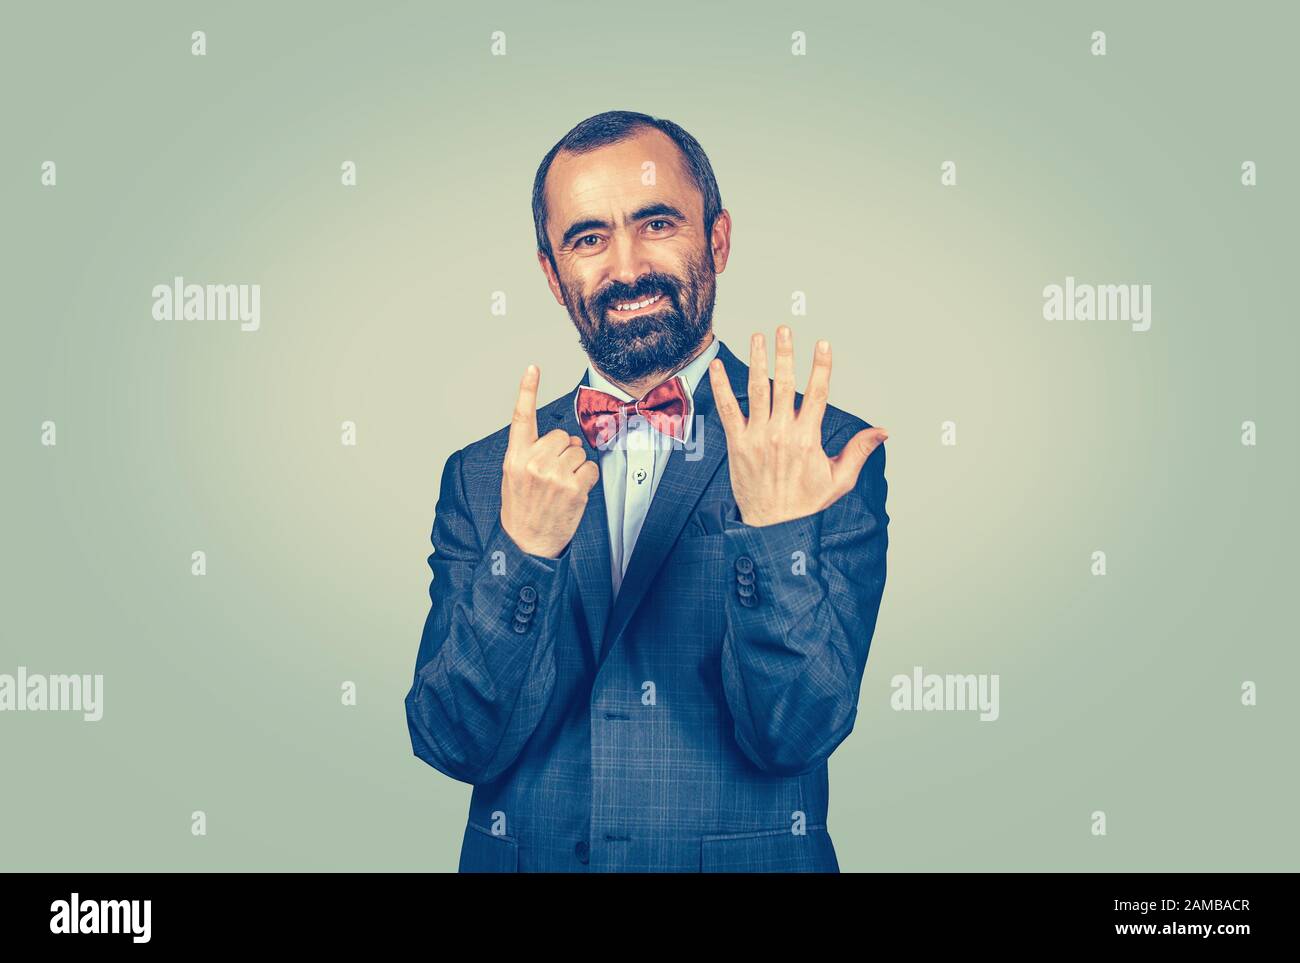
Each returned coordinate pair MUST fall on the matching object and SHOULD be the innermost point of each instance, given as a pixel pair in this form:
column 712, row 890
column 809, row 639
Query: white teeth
column 636, row 305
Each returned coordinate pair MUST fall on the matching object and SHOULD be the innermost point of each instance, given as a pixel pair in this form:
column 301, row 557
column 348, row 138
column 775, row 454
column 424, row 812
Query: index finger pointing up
column 523, row 425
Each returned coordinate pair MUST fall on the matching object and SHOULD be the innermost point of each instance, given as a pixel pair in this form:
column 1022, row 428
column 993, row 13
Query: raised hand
column 779, row 470
column 544, row 481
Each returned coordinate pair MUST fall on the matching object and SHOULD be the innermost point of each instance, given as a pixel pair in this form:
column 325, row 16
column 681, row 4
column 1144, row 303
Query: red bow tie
column 601, row 415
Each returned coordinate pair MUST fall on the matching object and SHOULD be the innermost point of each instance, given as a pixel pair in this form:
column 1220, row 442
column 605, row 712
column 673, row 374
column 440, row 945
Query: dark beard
column 661, row 341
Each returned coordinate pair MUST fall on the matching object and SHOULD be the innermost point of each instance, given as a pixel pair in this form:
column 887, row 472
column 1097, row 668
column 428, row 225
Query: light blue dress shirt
column 630, row 473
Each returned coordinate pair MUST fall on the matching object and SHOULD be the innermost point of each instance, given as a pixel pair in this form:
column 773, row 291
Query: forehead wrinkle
column 591, row 181
column 594, row 198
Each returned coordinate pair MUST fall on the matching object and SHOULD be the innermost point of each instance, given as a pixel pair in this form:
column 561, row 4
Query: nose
column 627, row 259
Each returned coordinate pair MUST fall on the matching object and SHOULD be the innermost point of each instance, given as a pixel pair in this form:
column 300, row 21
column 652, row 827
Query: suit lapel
column 589, row 549
column 680, row 488
column 683, row 483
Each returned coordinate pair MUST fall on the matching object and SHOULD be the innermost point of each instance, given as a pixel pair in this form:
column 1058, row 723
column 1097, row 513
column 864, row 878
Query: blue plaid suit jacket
column 684, row 726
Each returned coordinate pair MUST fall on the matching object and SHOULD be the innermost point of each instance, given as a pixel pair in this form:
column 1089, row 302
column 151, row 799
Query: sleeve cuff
column 523, row 590
column 773, row 563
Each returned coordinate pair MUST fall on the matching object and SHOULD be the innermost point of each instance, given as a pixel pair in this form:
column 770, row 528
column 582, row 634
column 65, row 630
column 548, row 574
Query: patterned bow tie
column 664, row 406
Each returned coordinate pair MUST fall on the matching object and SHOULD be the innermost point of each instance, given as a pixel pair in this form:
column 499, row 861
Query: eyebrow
column 592, row 224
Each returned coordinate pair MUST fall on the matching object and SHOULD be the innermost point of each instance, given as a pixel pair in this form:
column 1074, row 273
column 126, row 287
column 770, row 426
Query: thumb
column 846, row 466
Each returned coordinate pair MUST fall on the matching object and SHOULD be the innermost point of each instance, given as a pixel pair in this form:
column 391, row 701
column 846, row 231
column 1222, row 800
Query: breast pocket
column 693, row 546
column 689, row 588
column 697, row 563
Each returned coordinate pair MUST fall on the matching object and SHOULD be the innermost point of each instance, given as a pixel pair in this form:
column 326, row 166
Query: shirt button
column 582, row 851
column 640, row 475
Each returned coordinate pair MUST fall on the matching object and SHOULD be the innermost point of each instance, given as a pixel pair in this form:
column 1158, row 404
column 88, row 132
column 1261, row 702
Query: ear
column 720, row 239
column 552, row 281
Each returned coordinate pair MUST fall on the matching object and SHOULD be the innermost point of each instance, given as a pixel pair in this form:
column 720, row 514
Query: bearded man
column 653, row 597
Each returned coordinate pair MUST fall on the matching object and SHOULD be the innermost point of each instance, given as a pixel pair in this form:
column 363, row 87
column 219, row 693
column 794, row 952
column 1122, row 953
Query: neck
column 639, row 387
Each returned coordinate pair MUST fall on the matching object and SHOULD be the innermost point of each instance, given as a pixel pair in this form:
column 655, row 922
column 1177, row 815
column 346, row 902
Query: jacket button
column 745, row 578
column 525, row 607
column 744, row 564
column 744, row 591
column 582, row 851
column 748, row 601
column 521, row 627
column 528, row 594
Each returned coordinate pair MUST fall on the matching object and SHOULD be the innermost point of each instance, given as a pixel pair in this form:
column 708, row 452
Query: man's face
column 622, row 238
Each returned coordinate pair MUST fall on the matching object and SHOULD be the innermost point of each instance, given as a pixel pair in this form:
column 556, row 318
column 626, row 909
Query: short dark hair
column 610, row 128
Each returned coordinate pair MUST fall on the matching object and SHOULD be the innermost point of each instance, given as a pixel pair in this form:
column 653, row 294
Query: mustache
column 648, row 286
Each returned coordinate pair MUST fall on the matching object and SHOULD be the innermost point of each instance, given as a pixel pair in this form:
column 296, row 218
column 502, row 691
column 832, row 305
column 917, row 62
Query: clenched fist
column 544, row 481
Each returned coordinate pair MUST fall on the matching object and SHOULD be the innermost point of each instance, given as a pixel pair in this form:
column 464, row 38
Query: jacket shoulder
column 838, row 423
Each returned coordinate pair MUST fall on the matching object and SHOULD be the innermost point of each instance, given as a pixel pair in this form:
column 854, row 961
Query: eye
column 660, row 220
column 586, row 237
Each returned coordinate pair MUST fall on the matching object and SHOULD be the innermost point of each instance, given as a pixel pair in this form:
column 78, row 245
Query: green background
column 222, row 693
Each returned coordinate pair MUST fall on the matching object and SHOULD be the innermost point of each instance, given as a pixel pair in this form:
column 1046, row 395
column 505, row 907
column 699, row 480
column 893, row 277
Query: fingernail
column 823, row 346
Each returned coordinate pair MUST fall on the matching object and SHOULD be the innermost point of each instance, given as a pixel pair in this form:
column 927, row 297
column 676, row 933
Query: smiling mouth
column 628, row 308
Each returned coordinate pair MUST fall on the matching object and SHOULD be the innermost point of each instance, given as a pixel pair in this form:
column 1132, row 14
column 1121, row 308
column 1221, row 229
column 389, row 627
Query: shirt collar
column 691, row 373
